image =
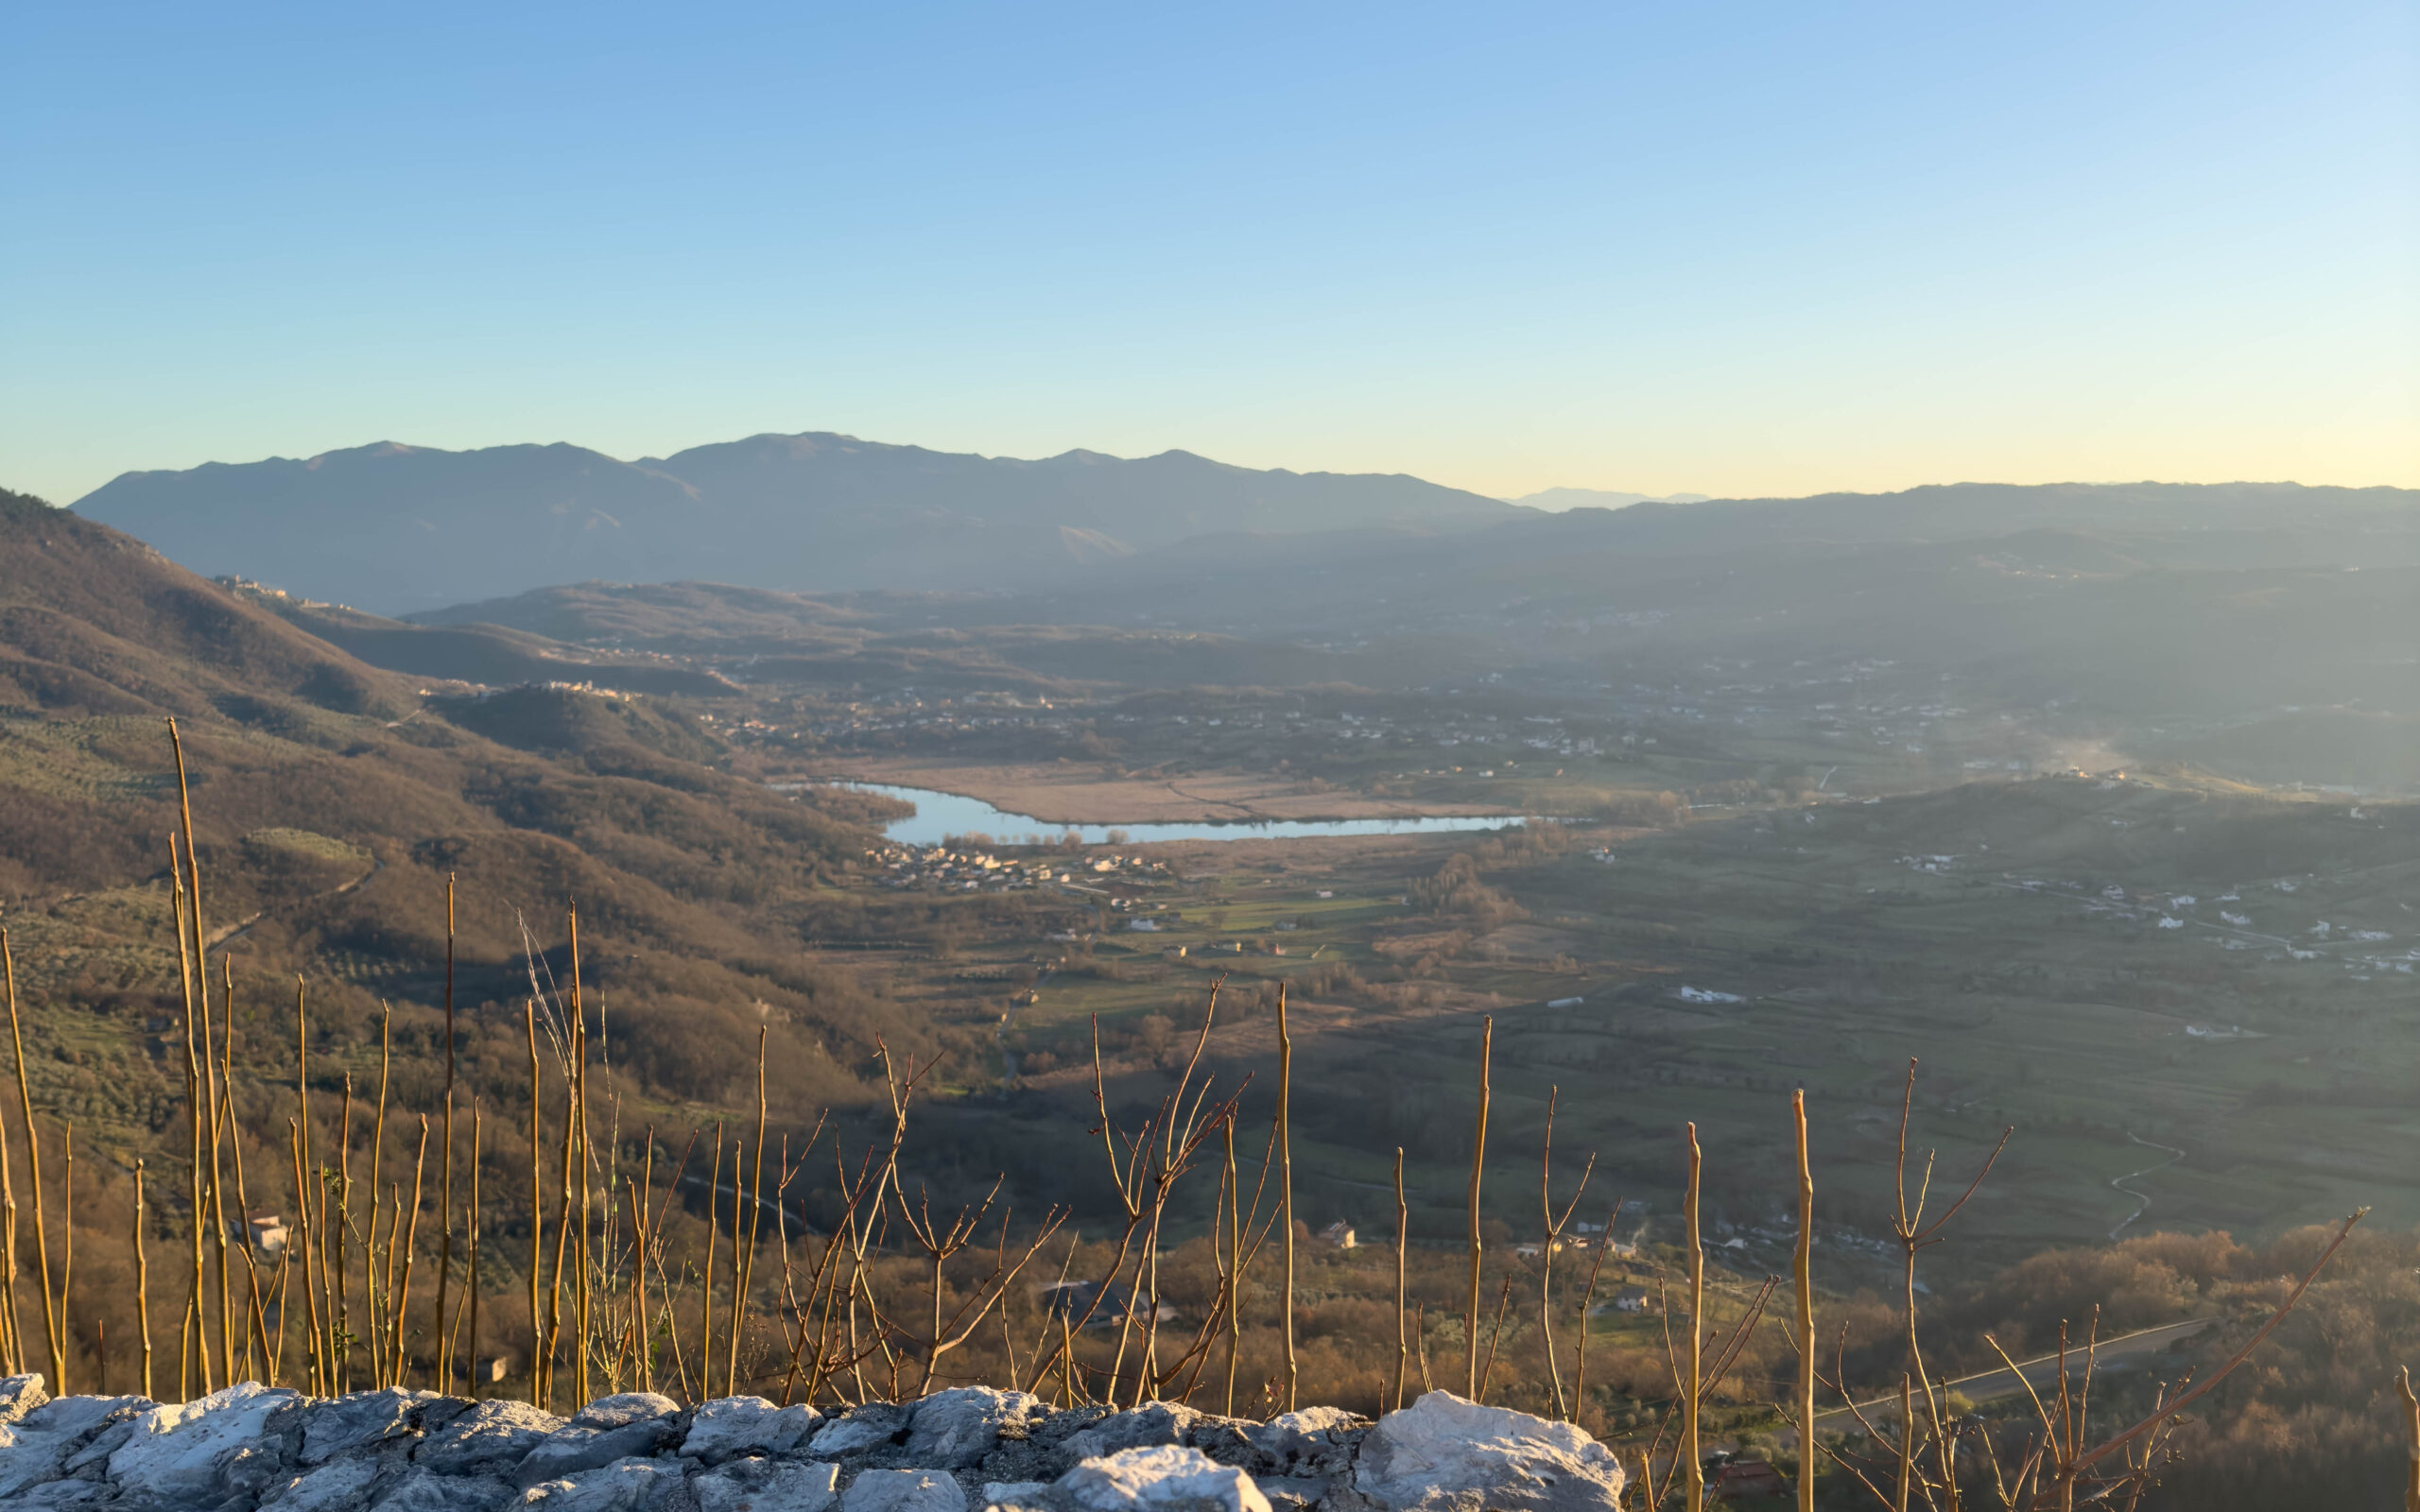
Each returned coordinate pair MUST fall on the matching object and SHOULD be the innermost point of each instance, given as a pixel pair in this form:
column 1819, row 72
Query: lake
column 943, row 813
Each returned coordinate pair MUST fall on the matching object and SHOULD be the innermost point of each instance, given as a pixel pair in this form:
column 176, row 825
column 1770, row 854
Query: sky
column 1729, row 249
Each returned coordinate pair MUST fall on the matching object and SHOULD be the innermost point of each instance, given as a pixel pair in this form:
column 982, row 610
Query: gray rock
column 625, row 1486
column 1161, row 1422
column 28, row 1459
column 62, row 1494
column 343, row 1423
column 1015, row 1494
column 569, row 1450
column 1163, row 1478
column 344, row 1484
column 903, row 1491
column 958, row 1427
column 20, row 1395
column 765, row 1485
column 1316, row 1441
column 1446, row 1454
column 746, row 1425
column 493, row 1438
column 624, row 1408
column 859, row 1429
column 77, row 1416
column 182, row 1452
column 420, row 1490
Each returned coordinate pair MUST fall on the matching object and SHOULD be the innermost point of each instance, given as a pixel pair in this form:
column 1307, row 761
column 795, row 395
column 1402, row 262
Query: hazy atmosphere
column 1309, row 759
column 1762, row 250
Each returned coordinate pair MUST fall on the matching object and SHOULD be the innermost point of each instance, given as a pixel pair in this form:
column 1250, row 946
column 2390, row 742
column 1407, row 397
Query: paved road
column 2124, row 1353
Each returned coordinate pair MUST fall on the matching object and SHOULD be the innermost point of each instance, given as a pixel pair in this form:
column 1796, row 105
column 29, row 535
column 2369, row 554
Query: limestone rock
column 422, row 1490
column 1163, row 1478
column 20, row 1395
column 344, row 1423
column 765, row 1485
column 328, row 1488
column 493, row 1438
column 1314, row 1441
column 182, row 1453
column 859, row 1429
column 570, row 1450
column 956, row 1428
column 1160, row 1422
column 746, row 1425
column 903, row 1491
column 624, row 1485
column 624, row 1408
column 1446, row 1454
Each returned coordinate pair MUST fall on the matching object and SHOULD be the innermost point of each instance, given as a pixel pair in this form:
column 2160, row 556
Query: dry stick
column 1236, row 1261
column 478, row 1384
column 738, row 1298
column 756, row 1211
column 1801, row 1267
column 580, row 1123
column 313, row 1360
column 1420, row 1343
column 193, row 1349
column 1402, row 1231
column 66, row 1223
column 563, row 1213
column 142, row 1280
column 342, row 1345
column 706, row 1291
column 1580, row 1373
column 236, row 1143
column 1503, row 1299
column 1479, row 1158
column 537, row 1213
column 1286, row 1179
column 198, row 988
column 445, row 1182
column 2412, row 1437
column 50, row 1319
column 1907, row 1442
column 397, row 1367
column 1690, row 1458
column 1555, row 1226
column 374, row 1294
column 11, row 1337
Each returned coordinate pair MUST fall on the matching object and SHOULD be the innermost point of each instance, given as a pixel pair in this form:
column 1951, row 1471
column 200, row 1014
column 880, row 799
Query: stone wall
column 251, row 1447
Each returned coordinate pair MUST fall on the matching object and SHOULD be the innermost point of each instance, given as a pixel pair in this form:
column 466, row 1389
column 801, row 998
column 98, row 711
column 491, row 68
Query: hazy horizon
column 1767, row 255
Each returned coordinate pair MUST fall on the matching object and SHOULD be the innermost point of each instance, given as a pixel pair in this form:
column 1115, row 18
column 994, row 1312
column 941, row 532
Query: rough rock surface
column 253, row 1449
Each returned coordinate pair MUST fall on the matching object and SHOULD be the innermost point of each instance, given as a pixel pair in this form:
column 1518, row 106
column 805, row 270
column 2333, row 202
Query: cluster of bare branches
column 901, row 1280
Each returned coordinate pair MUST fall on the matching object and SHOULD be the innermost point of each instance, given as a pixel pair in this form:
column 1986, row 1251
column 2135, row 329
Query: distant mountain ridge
column 396, row 528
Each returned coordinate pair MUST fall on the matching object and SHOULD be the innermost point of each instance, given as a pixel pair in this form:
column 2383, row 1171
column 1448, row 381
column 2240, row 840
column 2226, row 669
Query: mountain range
column 395, row 528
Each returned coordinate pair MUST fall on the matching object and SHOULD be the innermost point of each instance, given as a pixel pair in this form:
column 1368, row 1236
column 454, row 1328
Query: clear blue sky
column 1734, row 249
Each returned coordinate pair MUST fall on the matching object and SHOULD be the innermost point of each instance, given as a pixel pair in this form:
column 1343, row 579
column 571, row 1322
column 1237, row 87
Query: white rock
column 733, row 1426
column 1160, row 1422
column 902, row 1491
column 621, row 1486
column 863, row 1428
column 765, row 1485
column 960, row 1426
column 342, row 1484
column 1014, row 1493
column 177, row 1452
column 1314, row 1439
column 422, row 1490
column 1162, row 1477
column 624, row 1408
column 330, row 1428
column 20, row 1395
column 1446, row 1454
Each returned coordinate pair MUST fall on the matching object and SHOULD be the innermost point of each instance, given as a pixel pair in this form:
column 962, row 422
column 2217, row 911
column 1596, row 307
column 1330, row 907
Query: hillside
column 393, row 528
column 331, row 804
